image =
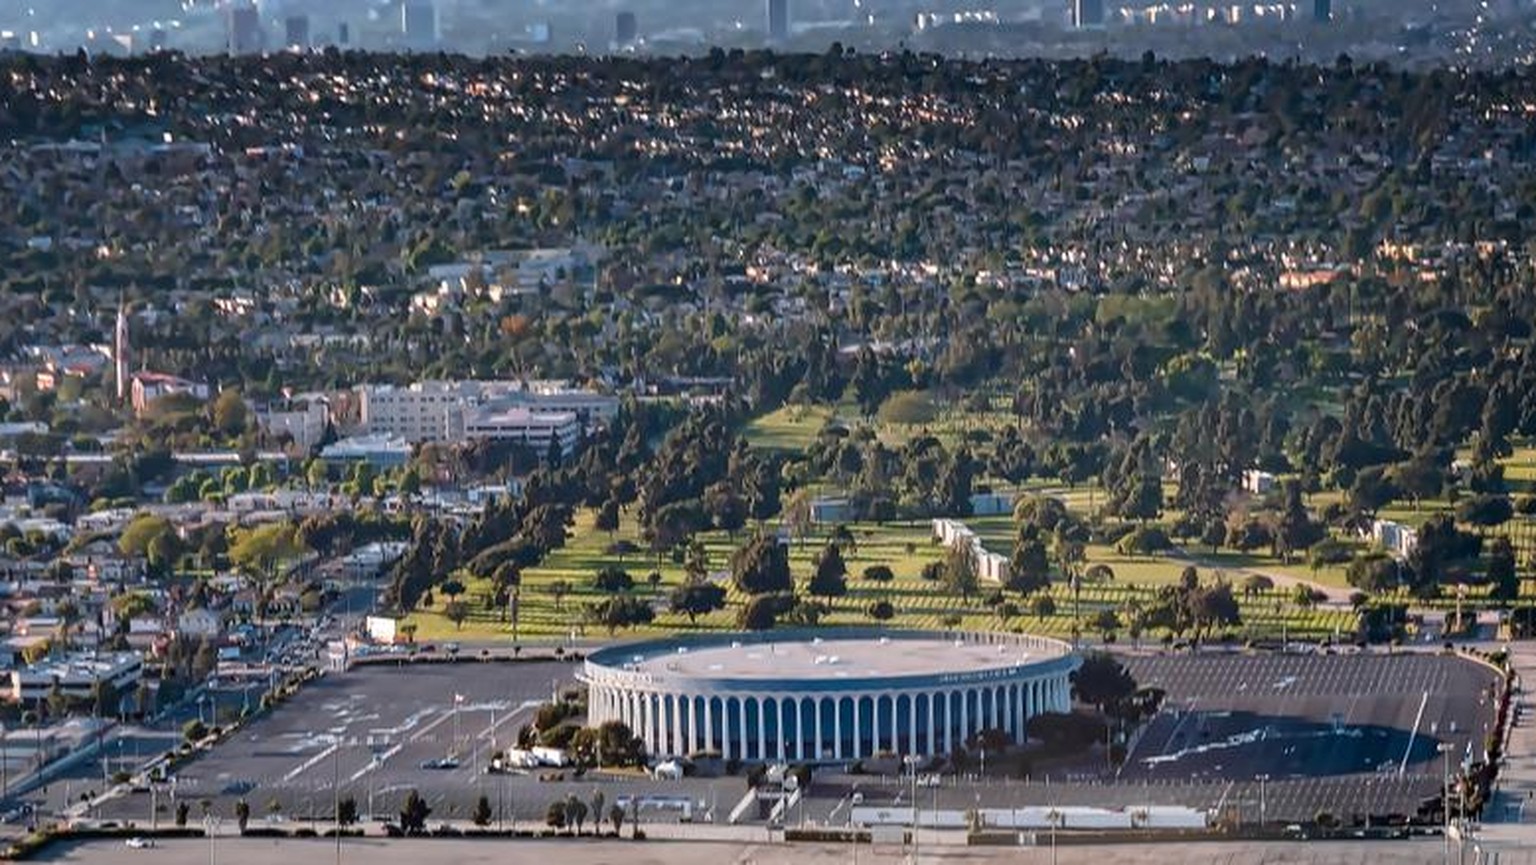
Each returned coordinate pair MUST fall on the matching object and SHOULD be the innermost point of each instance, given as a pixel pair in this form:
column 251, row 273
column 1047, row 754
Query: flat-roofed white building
column 440, row 410
column 537, row 429
column 75, row 675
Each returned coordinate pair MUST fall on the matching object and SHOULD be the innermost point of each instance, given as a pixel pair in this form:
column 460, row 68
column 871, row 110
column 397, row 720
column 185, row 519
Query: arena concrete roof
column 836, row 659
column 831, row 657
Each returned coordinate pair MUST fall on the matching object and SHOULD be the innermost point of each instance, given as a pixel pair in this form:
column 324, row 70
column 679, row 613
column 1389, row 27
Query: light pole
column 211, row 826
column 1262, row 813
column 1445, row 801
column 336, row 794
column 911, row 761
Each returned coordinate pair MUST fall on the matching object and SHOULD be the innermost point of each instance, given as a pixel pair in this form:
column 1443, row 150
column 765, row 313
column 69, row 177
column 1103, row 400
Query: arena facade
column 832, row 694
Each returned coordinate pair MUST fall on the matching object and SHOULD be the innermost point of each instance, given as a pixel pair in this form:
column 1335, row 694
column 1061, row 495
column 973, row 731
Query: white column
column 634, row 715
column 741, row 724
column 782, row 727
column 819, row 748
column 762, row 731
column 709, row 724
column 856, row 724
column 933, row 743
column 949, row 724
column 837, row 727
column 690, row 725
column 653, row 721
column 911, row 723
column 965, row 713
column 679, row 745
column 642, row 715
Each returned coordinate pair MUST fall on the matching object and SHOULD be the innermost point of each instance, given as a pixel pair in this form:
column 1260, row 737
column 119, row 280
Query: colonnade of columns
column 829, row 726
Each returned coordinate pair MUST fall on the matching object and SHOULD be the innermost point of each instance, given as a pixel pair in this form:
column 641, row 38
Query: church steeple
column 121, row 349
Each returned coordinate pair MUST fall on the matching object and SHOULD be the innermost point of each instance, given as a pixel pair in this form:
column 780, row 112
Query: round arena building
column 826, row 694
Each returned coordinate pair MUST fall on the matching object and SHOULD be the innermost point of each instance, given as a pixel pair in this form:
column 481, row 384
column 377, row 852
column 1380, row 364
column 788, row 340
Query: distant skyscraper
column 296, row 31
column 418, row 23
column 343, row 34
column 242, row 27
column 157, row 39
column 625, row 29
column 1087, row 13
column 778, row 20
column 121, row 350
column 1322, row 11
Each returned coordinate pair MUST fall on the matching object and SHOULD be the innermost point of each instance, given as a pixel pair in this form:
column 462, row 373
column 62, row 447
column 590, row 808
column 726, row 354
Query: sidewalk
column 1512, row 804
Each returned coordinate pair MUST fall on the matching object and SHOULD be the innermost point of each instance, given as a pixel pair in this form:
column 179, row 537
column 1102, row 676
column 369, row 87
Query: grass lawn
column 791, row 428
column 903, row 547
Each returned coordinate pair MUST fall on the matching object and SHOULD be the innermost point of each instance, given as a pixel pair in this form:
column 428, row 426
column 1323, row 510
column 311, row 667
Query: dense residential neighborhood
column 352, row 404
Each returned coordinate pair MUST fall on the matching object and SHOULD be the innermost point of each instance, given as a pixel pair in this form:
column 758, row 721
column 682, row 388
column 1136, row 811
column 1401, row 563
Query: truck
column 551, row 756
column 517, row 758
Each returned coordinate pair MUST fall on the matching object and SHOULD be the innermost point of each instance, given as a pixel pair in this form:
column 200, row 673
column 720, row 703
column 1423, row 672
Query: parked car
column 440, row 763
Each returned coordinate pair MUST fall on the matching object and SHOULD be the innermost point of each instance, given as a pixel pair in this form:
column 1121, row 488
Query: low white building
column 829, row 510
column 380, row 450
column 200, row 622
column 305, row 424
column 1394, row 537
column 990, row 566
column 76, row 676
column 383, row 629
column 1259, row 483
column 536, row 429
column 442, row 410
column 991, row 504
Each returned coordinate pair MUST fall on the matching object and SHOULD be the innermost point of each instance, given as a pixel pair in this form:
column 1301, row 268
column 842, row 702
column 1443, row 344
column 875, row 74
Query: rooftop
column 831, row 657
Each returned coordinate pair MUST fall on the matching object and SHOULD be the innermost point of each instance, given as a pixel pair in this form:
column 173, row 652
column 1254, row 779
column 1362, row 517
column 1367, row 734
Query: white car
column 140, row 843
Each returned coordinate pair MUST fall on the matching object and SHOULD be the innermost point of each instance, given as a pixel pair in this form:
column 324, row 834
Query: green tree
column 575, row 812
column 762, row 566
column 346, row 811
column 414, row 814
column 623, row 611
column 613, row 579
column 482, row 814
column 229, row 413
column 456, row 612
column 555, row 815
column 829, row 579
column 908, row 407
column 1102, row 681
column 697, row 598
column 1500, row 569
column 960, row 571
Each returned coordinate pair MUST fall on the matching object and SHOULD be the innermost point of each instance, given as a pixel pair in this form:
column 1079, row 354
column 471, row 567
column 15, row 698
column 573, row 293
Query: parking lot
column 1356, row 736
column 1353, row 735
column 368, row 734
column 1308, row 716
